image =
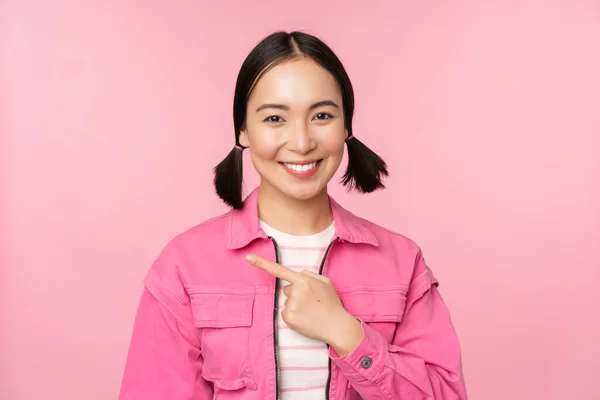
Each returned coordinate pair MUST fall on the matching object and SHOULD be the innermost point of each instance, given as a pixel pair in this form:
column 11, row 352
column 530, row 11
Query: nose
column 301, row 141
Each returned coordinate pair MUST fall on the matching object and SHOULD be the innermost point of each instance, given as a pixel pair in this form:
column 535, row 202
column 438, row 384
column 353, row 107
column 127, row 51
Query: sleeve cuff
column 366, row 360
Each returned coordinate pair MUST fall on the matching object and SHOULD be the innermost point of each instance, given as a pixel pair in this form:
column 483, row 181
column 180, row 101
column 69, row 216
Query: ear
column 244, row 141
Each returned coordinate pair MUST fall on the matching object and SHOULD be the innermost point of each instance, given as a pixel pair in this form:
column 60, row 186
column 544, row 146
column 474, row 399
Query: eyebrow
column 286, row 108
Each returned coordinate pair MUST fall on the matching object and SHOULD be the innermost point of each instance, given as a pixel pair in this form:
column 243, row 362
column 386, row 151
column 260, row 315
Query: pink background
column 114, row 113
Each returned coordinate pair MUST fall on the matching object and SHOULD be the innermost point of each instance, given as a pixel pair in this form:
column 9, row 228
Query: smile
column 302, row 170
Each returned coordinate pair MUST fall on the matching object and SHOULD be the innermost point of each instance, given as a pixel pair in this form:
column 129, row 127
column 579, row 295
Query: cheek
column 334, row 142
column 263, row 147
column 337, row 149
column 264, row 143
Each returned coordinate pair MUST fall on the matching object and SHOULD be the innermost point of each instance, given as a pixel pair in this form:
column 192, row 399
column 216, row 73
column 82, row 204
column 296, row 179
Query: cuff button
column 366, row 362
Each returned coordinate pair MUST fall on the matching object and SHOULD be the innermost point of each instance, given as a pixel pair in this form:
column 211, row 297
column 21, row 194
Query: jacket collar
column 243, row 226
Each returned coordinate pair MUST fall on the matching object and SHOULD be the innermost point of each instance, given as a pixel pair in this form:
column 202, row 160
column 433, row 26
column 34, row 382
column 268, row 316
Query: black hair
column 365, row 168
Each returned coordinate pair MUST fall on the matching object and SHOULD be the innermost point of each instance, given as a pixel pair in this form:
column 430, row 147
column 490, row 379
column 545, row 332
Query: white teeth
column 301, row 168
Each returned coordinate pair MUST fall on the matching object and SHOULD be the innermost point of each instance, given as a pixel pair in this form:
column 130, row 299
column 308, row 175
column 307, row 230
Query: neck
column 293, row 216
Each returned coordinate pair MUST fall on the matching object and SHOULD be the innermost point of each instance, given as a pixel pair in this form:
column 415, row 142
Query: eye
column 323, row 116
column 274, row 119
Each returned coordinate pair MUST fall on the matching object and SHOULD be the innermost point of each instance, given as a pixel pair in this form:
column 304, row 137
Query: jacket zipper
column 275, row 319
column 327, row 387
column 275, row 315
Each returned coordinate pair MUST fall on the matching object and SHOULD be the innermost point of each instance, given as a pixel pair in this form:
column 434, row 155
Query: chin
column 303, row 194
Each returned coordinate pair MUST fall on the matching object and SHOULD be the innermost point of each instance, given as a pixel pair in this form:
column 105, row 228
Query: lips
column 301, row 167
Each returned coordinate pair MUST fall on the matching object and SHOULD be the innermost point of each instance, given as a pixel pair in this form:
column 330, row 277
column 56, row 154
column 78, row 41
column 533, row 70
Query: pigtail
column 228, row 178
column 365, row 168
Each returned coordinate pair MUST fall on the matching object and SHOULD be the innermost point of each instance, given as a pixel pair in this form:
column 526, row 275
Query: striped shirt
column 303, row 362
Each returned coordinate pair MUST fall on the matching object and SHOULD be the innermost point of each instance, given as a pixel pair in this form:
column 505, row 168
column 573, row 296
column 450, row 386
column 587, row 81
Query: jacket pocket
column 382, row 308
column 224, row 319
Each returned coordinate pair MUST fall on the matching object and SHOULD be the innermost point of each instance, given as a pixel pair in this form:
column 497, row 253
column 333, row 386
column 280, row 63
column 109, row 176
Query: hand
column 313, row 308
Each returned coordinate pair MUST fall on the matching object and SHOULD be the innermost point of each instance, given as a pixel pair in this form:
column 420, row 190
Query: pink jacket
column 205, row 323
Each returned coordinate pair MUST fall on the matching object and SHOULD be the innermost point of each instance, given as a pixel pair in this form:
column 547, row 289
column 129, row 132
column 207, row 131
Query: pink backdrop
column 113, row 114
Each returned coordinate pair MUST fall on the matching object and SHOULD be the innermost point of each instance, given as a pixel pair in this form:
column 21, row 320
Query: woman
column 288, row 295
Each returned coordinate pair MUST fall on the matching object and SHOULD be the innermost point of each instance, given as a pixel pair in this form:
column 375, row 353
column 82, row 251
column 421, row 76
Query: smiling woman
column 293, row 89
column 272, row 300
column 297, row 124
column 301, row 168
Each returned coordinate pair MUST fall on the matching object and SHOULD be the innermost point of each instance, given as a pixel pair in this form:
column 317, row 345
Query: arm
column 423, row 361
column 164, row 360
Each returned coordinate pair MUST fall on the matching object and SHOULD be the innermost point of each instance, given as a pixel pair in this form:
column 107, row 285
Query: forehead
column 298, row 82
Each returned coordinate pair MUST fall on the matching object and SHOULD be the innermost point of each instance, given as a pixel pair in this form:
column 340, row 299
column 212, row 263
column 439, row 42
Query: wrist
column 347, row 335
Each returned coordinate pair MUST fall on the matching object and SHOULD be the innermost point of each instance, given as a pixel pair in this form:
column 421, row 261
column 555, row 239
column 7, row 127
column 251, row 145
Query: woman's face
column 295, row 129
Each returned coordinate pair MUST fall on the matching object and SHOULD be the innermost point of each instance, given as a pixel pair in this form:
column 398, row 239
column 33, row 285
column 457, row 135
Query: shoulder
column 408, row 253
column 186, row 250
column 199, row 235
column 389, row 239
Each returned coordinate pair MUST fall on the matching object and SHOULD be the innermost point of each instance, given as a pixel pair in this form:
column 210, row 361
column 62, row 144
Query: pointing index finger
column 277, row 270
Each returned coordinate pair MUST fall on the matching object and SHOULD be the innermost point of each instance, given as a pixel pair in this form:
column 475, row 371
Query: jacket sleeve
column 423, row 362
column 164, row 359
